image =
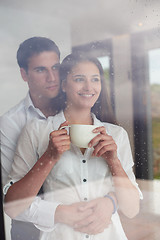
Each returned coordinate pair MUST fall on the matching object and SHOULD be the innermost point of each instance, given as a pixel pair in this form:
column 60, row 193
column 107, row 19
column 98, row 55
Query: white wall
column 123, row 83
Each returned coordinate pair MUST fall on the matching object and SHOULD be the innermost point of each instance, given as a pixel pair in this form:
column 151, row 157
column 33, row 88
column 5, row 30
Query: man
column 38, row 59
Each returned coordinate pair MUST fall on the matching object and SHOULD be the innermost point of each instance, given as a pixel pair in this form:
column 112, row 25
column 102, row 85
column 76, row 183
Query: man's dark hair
column 33, row 46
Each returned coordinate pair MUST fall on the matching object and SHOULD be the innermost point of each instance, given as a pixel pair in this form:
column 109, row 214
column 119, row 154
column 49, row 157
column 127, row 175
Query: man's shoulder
column 15, row 109
column 14, row 114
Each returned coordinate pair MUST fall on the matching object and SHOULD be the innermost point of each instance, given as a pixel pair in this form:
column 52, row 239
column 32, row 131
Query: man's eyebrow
column 38, row 67
column 57, row 64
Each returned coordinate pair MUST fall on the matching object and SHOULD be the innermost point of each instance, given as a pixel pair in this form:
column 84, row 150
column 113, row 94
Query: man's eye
column 40, row 70
column 56, row 67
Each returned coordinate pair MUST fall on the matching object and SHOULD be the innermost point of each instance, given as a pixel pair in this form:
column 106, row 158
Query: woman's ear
column 63, row 86
column 24, row 74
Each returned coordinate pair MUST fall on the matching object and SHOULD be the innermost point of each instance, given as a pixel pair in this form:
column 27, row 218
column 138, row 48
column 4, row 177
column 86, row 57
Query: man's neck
column 48, row 111
column 46, row 106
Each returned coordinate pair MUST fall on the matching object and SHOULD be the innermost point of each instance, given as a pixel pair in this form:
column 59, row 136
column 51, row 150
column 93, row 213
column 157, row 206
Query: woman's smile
column 83, row 85
column 86, row 95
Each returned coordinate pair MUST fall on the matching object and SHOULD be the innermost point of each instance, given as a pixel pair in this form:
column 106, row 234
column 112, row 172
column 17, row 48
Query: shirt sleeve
column 41, row 214
column 9, row 133
column 25, row 155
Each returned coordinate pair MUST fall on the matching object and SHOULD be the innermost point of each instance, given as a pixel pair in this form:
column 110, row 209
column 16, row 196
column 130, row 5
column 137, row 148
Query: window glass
column 154, row 74
column 105, row 64
column 125, row 36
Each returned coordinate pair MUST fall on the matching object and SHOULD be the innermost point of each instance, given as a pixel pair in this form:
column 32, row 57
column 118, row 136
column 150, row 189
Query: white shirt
column 11, row 125
column 72, row 179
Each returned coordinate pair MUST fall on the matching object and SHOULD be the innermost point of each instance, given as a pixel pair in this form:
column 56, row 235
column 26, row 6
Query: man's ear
column 24, row 74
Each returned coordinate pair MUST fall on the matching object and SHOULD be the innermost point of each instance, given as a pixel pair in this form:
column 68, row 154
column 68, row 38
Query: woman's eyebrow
column 96, row 75
column 81, row 75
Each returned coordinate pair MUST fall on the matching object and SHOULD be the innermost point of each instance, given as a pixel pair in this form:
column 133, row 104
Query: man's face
column 42, row 76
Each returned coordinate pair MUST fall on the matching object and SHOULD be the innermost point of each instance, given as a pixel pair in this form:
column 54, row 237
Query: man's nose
column 51, row 76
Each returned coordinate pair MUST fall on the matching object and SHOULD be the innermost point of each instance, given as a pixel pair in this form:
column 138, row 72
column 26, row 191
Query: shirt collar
column 28, row 102
column 96, row 121
column 60, row 118
column 29, row 106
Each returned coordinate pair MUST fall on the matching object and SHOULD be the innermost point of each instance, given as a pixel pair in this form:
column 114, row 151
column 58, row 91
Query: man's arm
column 9, row 133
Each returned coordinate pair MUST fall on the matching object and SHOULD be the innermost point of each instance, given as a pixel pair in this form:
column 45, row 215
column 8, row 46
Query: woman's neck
column 78, row 116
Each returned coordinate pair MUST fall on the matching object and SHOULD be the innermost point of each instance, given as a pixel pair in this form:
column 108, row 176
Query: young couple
column 82, row 187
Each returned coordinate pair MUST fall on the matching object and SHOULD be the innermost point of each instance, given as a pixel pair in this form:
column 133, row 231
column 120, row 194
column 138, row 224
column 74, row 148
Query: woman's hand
column 126, row 193
column 100, row 218
column 59, row 142
column 104, row 145
column 72, row 214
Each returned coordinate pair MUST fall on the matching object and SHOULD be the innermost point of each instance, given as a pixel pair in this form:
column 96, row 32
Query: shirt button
column 83, row 161
column 87, row 236
column 84, row 180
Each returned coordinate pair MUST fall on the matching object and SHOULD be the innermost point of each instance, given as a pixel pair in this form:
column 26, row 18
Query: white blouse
column 74, row 178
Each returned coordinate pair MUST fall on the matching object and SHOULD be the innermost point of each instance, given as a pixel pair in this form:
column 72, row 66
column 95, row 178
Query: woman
column 83, row 187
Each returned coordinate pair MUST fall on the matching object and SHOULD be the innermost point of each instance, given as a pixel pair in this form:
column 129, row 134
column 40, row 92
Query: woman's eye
column 95, row 79
column 78, row 79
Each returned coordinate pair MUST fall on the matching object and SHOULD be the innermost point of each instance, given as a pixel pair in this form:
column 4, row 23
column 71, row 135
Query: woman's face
column 83, row 85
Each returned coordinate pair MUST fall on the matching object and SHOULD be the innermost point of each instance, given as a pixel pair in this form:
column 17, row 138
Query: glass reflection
column 72, row 24
column 154, row 74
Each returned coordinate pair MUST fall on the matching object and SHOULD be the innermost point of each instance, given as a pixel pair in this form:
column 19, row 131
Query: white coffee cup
column 81, row 135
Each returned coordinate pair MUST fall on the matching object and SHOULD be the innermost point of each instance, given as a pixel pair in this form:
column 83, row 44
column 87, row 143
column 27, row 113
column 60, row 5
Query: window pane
column 154, row 74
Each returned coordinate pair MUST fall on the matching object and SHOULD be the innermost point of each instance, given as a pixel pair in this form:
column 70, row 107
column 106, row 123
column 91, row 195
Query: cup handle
column 64, row 127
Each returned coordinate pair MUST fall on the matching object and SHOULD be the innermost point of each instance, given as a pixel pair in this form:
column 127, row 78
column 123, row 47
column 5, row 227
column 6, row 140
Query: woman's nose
column 87, row 85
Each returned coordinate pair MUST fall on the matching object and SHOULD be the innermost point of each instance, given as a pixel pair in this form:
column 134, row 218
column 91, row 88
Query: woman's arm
column 26, row 189
column 126, row 193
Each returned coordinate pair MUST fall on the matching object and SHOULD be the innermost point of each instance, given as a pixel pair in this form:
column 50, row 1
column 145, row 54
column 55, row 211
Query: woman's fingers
column 59, row 141
column 104, row 147
column 100, row 137
column 102, row 143
column 63, row 125
column 59, row 135
column 100, row 130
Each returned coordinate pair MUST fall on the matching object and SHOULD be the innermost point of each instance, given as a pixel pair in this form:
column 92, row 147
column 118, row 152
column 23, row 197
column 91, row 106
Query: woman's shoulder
column 112, row 129
column 115, row 130
column 113, row 126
